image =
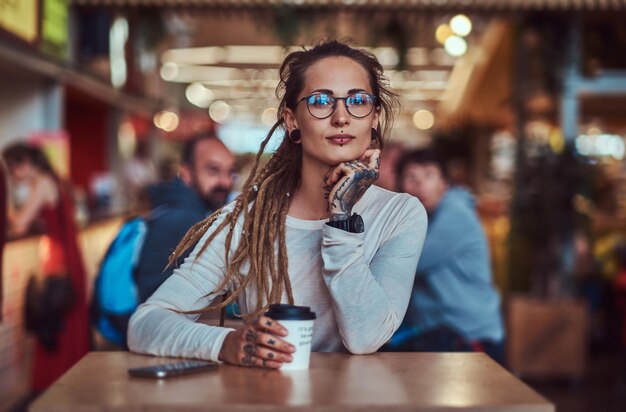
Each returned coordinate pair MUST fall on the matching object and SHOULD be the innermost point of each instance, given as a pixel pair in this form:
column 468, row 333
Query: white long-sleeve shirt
column 358, row 284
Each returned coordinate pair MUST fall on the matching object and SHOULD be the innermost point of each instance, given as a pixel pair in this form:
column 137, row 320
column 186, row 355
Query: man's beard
column 215, row 199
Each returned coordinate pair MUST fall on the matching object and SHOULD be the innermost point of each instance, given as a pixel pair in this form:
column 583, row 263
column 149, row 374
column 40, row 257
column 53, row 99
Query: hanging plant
column 397, row 35
column 288, row 22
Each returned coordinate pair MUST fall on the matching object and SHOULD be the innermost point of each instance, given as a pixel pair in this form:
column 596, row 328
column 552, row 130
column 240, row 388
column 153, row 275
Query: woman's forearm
column 369, row 300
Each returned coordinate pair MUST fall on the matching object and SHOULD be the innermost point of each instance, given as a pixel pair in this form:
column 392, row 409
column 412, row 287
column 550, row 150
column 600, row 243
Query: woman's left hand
column 348, row 181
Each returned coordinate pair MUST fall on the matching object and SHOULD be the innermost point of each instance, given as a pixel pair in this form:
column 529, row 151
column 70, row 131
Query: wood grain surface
column 334, row 382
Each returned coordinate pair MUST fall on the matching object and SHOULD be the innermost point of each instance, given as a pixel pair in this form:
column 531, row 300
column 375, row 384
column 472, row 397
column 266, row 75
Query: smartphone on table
column 165, row 370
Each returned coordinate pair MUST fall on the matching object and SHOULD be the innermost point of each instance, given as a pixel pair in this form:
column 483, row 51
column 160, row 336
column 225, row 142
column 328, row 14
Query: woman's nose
column 340, row 116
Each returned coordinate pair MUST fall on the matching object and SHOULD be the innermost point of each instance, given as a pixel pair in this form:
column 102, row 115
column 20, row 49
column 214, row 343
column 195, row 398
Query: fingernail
column 284, row 332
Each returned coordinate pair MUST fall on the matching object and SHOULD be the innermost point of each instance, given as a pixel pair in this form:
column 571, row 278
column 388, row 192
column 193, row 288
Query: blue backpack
column 115, row 296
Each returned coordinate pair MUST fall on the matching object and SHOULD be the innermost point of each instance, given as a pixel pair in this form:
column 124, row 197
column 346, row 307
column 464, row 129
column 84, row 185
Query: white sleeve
column 156, row 329
column 370, row 300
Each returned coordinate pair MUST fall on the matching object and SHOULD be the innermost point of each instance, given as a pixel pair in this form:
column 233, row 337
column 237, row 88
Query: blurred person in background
column 309, row 229
column 387, row 177
column 139, row 172
column 63, row 334
column 454, row 305
column 205, row 179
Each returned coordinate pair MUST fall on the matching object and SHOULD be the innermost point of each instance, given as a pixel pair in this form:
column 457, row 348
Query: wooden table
column 335, row 382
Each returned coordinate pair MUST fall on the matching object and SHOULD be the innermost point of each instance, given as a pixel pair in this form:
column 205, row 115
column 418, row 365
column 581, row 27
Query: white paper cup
column 300, row 335
column 298, row 320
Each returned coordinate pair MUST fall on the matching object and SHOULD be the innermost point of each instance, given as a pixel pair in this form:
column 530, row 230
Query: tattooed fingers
column 275, row 343
column 258, row 344
column 271, row 355
column 253, row 353
column 251, row 361
column 269, row 325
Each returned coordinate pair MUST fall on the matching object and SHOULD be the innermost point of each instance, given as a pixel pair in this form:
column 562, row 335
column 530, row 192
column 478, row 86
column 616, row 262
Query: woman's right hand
column 257, row 344
column 348, row 182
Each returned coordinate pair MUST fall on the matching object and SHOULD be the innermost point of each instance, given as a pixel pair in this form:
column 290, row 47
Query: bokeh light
column 461, row 25
column 166, row 120
column 455, row 46
column 268, row 117
column 219, row 111
column 443, row 32
column 169, row 71
column 423, row 119
column 199, row 95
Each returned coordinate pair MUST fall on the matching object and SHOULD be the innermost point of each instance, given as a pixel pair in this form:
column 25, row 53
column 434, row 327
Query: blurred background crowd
column 524, row 103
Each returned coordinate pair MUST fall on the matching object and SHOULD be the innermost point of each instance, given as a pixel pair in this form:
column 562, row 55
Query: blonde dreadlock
column 263, row 223
column 267, row 190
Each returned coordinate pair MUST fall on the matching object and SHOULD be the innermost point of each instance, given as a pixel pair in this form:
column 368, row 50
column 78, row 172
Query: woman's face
column 20, row 172
column 340, row 137
column 426, row 182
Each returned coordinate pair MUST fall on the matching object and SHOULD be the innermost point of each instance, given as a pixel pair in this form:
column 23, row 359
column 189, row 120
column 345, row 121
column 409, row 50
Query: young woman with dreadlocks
column 307, row 229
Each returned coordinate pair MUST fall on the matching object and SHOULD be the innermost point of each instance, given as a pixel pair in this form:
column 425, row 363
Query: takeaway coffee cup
column 298, row 320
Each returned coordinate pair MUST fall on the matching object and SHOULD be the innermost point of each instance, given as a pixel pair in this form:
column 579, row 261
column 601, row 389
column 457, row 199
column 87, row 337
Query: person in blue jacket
column 204, row 182
column 454, row 305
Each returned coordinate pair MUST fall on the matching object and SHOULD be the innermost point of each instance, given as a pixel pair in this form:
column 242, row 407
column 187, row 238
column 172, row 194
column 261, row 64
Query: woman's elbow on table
column 361, row 347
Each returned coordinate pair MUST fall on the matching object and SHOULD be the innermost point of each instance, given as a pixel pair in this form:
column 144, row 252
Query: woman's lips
column 340, row 139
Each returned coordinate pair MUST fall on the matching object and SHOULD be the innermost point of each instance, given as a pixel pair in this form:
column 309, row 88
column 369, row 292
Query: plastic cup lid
column 281, row 311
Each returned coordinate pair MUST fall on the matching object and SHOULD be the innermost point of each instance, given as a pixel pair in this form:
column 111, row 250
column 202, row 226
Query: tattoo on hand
column 339, row 198
column 271, row 342
column 270, row 355
column 246, row 360
column 251, row 336
column 249, row 349
column 351, row 190
column 327, row 188
column 268, row 323
column 345, row 194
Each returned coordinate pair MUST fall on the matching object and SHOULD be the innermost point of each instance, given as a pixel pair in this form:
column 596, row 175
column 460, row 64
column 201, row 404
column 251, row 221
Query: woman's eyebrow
column 357, row 91
column 328, row 91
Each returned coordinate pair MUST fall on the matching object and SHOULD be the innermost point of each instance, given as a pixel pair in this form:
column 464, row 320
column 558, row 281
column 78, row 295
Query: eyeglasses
column 322, row 105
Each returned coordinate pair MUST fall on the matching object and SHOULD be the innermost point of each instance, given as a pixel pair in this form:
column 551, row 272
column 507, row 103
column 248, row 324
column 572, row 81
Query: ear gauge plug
column 295, row 136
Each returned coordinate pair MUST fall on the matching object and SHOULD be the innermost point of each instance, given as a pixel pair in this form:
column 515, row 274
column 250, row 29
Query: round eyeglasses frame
column 371, row 96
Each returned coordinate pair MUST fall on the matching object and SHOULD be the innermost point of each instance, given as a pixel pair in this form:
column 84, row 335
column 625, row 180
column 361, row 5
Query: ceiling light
column 219, row 111
column 169, row 71
column 387, row 56
column 443, row 32
column 461, row 25
column 455, row 46
column 268, row 118
column 199, row 95
column 166, row 120
column 423, row 119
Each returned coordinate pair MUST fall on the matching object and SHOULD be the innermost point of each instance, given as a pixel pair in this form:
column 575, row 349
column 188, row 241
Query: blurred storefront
column 47, row 97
